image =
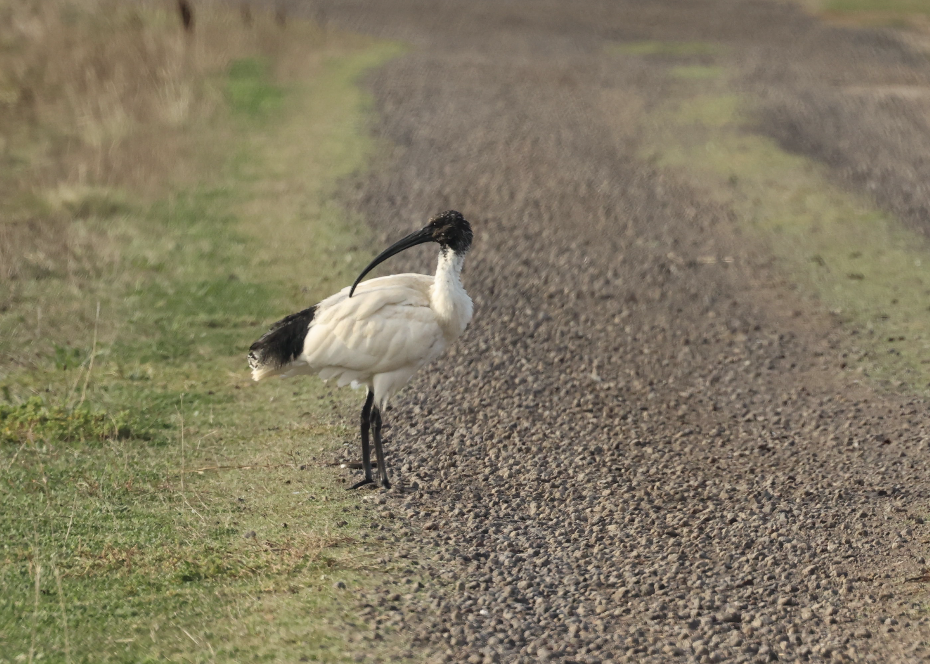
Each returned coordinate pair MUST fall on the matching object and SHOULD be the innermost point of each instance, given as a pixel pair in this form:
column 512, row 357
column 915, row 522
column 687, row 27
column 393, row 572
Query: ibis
column 377, row 333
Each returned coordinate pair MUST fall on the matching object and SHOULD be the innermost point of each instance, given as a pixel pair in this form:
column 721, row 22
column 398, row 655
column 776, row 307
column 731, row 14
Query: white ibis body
column 377, row 333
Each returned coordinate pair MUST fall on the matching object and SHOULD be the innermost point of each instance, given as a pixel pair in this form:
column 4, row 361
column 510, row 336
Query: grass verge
column 157, row 504
column 908, row 14
column 666, row 48
column 854, row 259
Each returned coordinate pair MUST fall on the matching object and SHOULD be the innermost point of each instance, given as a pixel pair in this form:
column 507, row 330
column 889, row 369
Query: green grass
column 707, row 111
column 902, row 14
column 854, row 259
column 677, row 51
column 157, row 505
column 666, row 48
column 889, row 6
column 696, row 72
column 249, row 90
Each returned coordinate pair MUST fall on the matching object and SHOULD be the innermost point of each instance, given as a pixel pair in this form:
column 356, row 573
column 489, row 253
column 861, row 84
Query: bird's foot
column 385, row 484
column 359, row 485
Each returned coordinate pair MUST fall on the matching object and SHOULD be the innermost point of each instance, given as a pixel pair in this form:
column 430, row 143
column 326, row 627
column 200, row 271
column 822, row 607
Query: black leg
column 379, row 451
column 366, row 449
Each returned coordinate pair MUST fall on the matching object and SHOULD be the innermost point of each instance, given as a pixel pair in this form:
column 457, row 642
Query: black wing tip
column 283, row 342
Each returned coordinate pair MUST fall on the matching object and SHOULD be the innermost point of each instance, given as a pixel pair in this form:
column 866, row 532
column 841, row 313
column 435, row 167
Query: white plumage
column 377, row 333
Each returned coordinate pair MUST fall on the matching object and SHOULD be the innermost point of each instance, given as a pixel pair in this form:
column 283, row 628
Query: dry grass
column 100, row 100
column 284, row 556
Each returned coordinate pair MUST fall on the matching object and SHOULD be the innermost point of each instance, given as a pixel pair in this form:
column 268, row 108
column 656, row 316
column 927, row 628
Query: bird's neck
column 448, row 299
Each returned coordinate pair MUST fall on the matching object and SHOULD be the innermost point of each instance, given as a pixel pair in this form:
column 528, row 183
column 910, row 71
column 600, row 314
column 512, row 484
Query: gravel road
column 634, row 453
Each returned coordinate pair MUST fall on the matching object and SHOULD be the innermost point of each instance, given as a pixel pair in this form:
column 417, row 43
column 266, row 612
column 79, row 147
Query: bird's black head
column 450, row 229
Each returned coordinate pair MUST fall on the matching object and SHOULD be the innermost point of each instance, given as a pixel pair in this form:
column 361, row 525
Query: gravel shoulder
column 635, row 454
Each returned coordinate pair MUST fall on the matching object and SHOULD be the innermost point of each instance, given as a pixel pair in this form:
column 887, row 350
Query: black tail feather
column 282, row 344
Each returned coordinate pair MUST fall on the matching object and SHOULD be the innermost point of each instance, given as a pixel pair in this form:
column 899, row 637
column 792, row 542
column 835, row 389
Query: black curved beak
column 419, row 237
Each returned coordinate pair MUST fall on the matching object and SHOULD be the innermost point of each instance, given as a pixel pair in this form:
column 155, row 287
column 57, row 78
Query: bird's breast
column 453, row 310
